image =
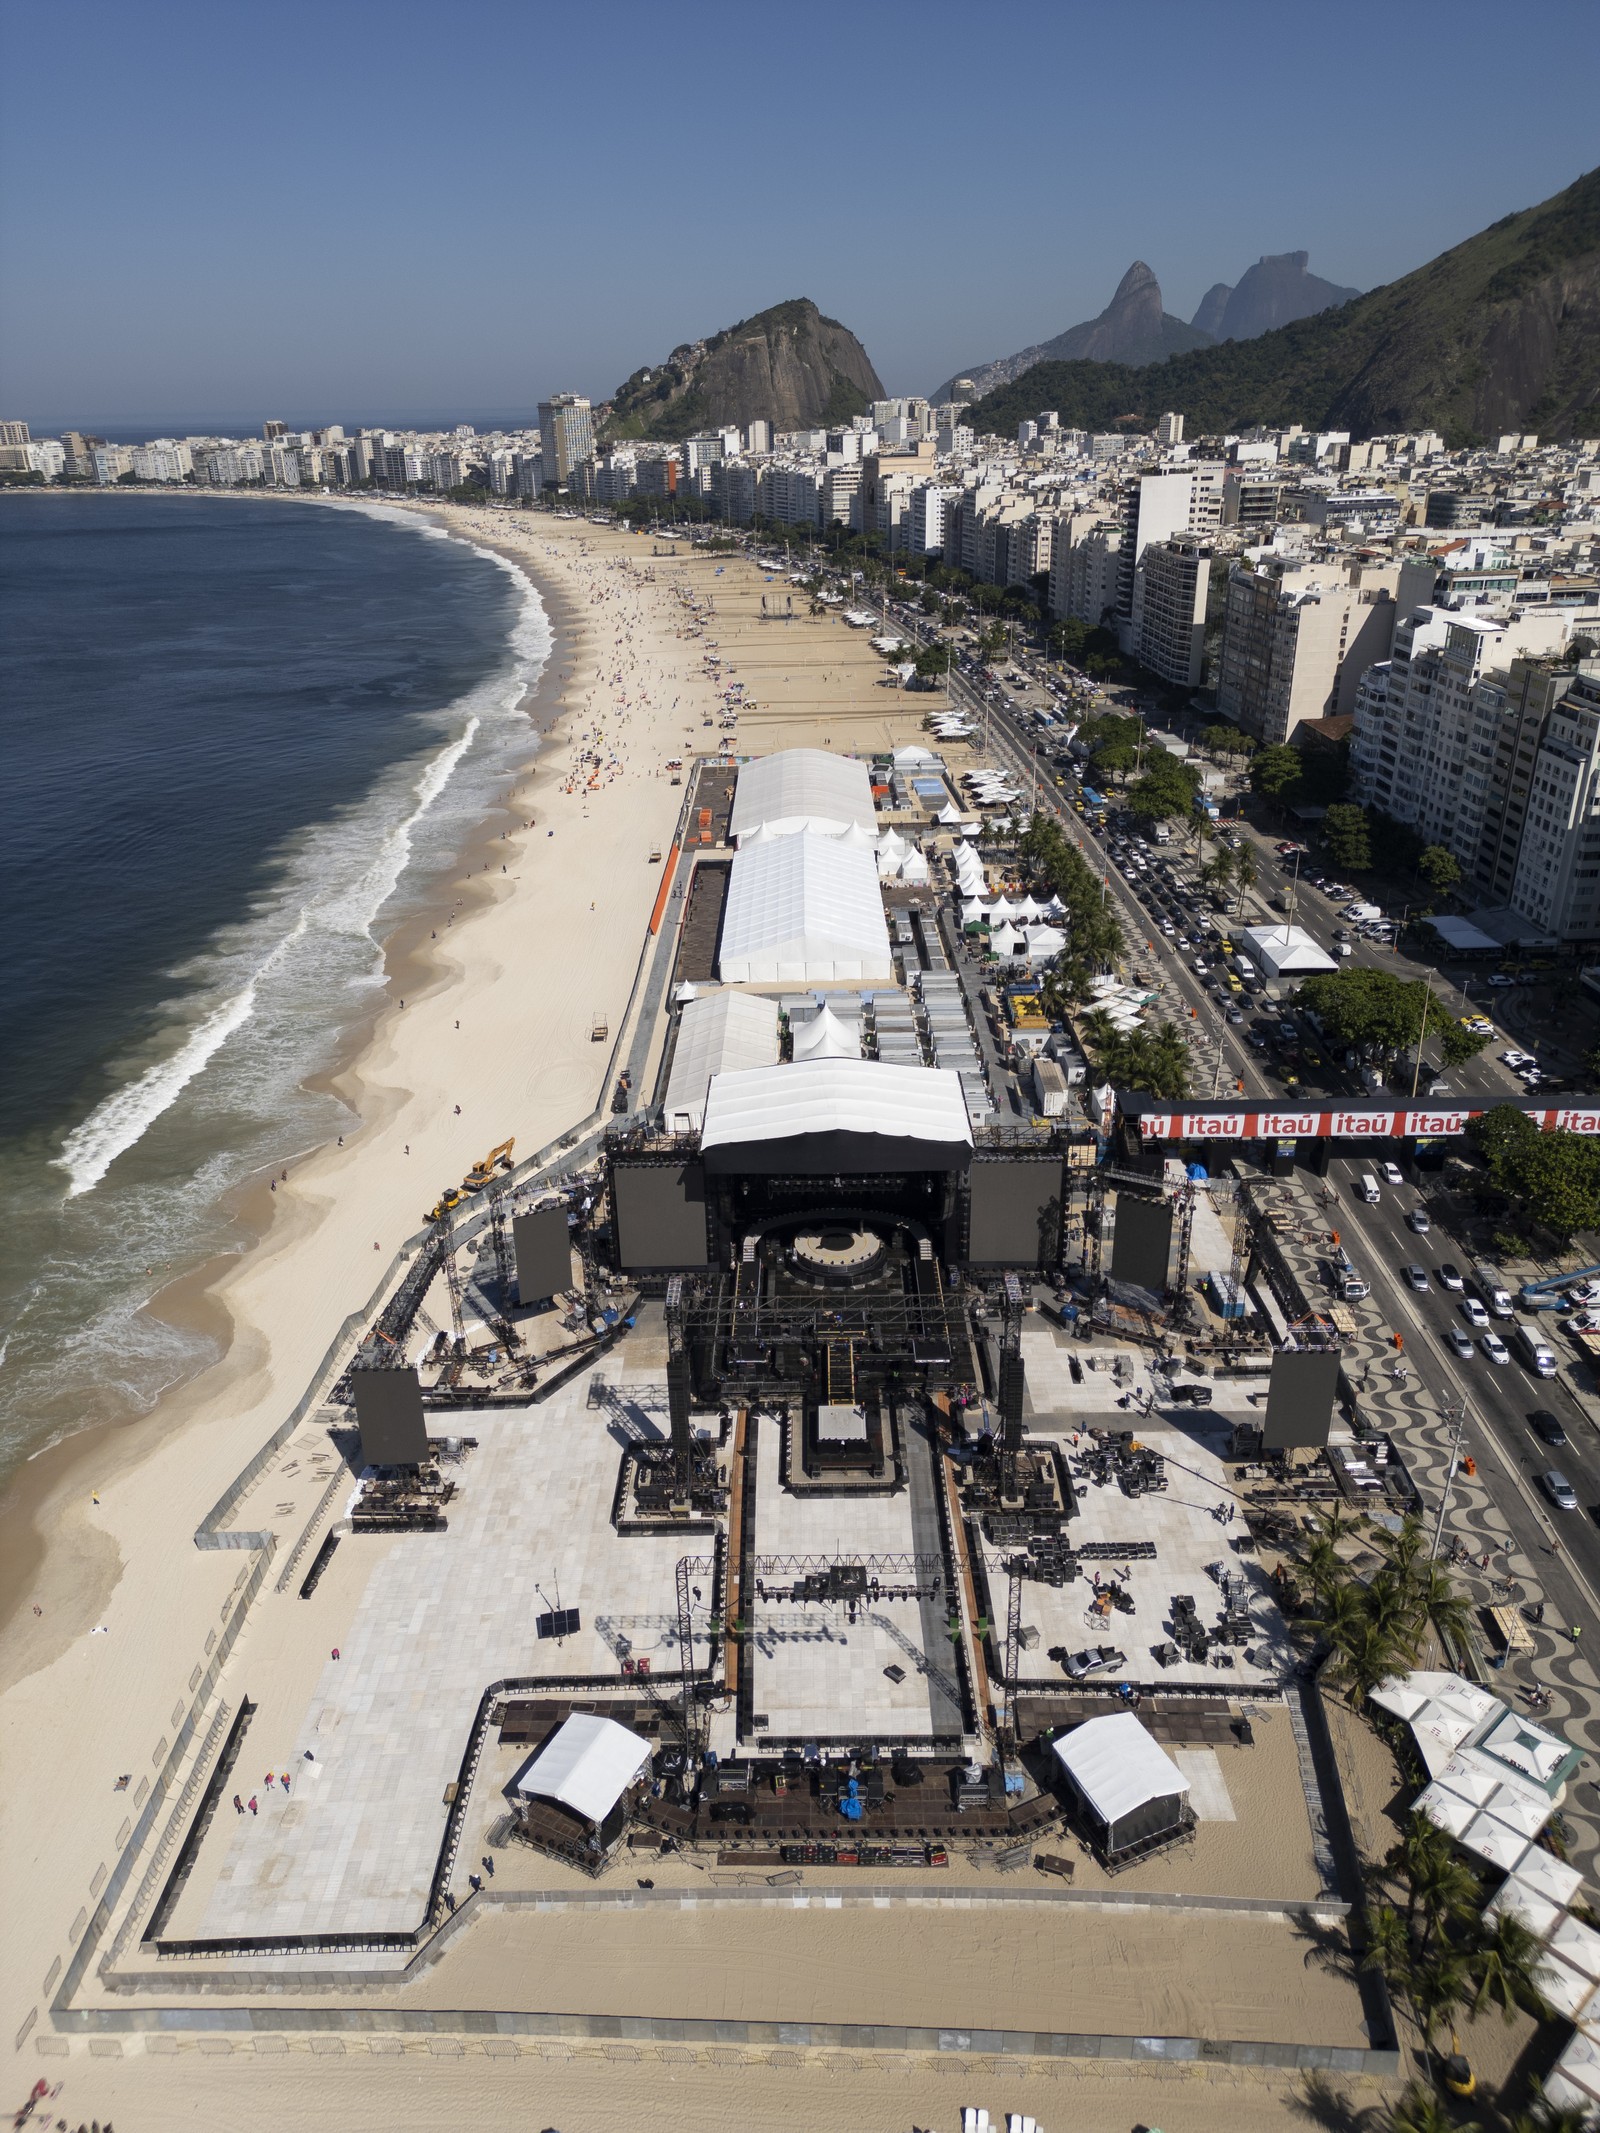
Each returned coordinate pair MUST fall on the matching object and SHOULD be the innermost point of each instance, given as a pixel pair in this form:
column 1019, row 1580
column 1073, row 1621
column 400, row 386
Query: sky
column 402, row 211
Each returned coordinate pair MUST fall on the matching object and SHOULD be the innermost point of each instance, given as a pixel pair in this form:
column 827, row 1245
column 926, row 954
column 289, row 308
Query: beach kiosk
column 1134, row 1798
column 574, row 1793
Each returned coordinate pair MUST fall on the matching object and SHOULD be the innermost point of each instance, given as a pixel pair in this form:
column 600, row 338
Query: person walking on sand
column 252, row 1803
column 238, row 1805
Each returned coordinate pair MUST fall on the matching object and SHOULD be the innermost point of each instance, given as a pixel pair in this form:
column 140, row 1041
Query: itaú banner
column 1217, row 1122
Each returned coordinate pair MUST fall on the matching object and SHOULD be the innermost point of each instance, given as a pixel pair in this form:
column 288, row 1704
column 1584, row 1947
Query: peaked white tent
column 859, row 838
column 914, row 868
column 586, row 1765
column 1006, row 940
column 803, row 910
column 949, row 813
column 826, row 1037
column 800, row 789
column 1003, row 909
column 1132, row 1789
column 718, row 1033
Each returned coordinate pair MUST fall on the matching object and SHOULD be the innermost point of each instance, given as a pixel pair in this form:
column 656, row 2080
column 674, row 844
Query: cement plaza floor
column 1187, row 1537
column 353, row 1847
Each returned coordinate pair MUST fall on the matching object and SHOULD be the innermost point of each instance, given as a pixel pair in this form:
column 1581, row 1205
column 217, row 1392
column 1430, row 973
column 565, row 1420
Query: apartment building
column 930, row 502
column 1083, row 574
column 566, row 436
column 1295, row 642
column 791, row 495
column 1171, row 619
column 1154, row 508
column 1557, row 882
column 1509, row 708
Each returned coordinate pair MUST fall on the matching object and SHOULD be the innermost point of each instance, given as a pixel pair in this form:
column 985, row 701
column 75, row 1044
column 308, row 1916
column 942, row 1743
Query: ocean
column 241, row 741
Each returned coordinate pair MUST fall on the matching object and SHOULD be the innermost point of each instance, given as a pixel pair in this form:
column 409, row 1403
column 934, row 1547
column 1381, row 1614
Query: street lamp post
column 1459, row 1414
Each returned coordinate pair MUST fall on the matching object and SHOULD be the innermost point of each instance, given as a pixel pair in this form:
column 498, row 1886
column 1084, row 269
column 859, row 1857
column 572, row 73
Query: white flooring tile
column 445, row 1614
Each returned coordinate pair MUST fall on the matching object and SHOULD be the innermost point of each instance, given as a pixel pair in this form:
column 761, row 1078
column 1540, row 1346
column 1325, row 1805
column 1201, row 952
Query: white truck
column 1049, row 1089
column 1492, row 1290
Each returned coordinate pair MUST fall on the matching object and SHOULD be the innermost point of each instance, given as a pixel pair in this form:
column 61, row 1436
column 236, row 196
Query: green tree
column 1347, row 837
column 1372, row 1009
column 1457, row 1044
column 1246, row 873
column 1154, row 1062
column 1227, row 740
column 1165, row 792
column 1439, row 867
column 1423, row 2110
column 1275, row 771
column 1552, row 1177
column 1503, row 1964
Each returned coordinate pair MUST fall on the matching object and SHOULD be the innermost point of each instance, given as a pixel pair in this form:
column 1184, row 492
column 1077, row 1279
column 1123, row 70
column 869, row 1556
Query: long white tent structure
column 718, row 1033
column 802, row 789
column 804, row 910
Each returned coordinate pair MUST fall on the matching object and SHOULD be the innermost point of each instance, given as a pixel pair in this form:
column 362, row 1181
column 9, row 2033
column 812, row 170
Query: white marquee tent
column 833, row 1114
column 718, row 1033
column 587, row 1765
column 804, row 910
column 801, row 789
column 825, row 1036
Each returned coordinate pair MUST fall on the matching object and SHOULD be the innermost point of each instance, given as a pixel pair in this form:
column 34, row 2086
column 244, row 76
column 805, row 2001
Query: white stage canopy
column 587, row 1765
column 818, row 1116
column 1461, row 933
column 804, row 910
column 802, row 788
column 718, row 1033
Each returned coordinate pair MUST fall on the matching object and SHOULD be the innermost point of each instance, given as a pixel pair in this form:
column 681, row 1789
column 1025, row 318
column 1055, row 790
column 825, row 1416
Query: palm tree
column 1435, row 1597
column 1325, row 1568
column 1422, row 2110
column 1441, row 1889
column 1547, row 2117
column 1503, row 1965
column 1245, row 872
column 1440, row 1985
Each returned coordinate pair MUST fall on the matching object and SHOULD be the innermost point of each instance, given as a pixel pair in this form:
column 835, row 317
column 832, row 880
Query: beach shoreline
column 39, row 1489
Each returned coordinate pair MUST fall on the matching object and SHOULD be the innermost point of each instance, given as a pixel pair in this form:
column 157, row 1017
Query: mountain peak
column 788, row 365
column 1138, row 278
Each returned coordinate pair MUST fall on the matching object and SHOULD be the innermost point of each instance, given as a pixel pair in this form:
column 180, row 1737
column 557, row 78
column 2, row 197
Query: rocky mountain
column 1500, row 333
column 1274, row 292
column 1208, row 319
column 1133, row 328
column 789, row 366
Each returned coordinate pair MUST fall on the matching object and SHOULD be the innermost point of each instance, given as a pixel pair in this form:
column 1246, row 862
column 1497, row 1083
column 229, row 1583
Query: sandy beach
column 484, row 1032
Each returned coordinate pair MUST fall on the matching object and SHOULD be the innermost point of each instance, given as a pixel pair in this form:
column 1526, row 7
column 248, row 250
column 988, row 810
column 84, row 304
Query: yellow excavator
column 452, row 1196
column 481, row 1172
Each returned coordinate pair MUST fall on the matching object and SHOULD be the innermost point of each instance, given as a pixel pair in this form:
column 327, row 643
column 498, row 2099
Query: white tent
column 1284, row 951
column 587, row 1765
column 1006, row 940
column 1004, row 909
column 1028, row 910
column 914, row 868
column 803, row 910
column 718, row 1033
column 914, row 757
column 851, row 1111
column 826, row 1037
column 974, row 911
column 862, row 839
column 1044, row 942
column 1117, row 1769
column 799, row 789
column 949, row 813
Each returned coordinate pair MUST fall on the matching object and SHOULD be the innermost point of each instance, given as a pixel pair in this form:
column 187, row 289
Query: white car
column 1495, row 1348
column 1584, row 1293
column 1499, row 978
column 1583, row 1322
column 1517, row 1060
column 1473, row 1312
column 1417, row 1219
column 1391, row 1174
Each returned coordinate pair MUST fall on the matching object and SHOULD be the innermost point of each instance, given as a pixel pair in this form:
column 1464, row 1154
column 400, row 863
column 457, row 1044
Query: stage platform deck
column 817, row 1673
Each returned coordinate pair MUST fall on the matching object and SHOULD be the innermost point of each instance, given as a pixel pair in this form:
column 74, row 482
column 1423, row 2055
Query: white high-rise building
column 1557, row 882
column 1296, row 642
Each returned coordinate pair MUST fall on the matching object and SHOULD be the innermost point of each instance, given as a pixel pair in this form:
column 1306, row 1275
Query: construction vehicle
column 481, row 1172
column 1550, row 1295
column 452, row 1196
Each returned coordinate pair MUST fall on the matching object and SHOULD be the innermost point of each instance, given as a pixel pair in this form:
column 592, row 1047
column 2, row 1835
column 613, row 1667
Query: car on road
column 1473, row 1312
column 1459, row 1343
column 1450, row 1274
column 1417, row 1276
column 1476, row 1025
column 1391, row 1174
column 1235, row 1013
column 1559, row 1490
column 1499, row 978
column 1495, row 1348
column 1417, row 1220
column 1517, row 1060
column 1547, row 1427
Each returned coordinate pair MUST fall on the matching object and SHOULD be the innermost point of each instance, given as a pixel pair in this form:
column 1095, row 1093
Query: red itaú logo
column 1427, row 1124
column 1574, row 1121
column 1219, row 1126
column 1378, row 1125
column 1288, row 1125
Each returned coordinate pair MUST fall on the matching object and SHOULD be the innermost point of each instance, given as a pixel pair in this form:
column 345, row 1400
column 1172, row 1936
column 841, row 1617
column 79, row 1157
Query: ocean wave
column 229, row 987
